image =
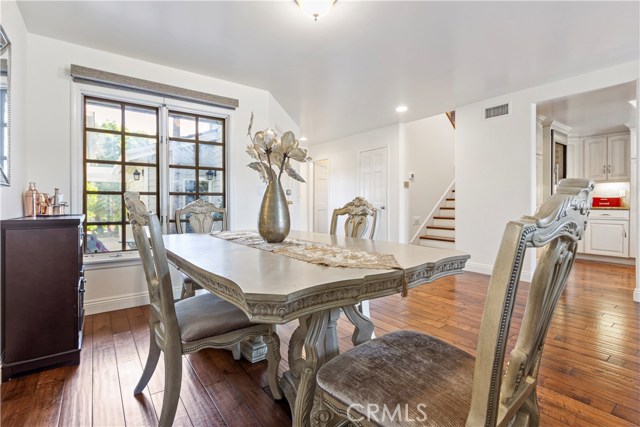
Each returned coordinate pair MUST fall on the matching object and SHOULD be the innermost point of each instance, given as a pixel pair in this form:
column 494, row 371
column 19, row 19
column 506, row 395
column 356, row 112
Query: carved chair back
column 154, row 263
column 201, row 216
column 557, row 226
column 358, row 212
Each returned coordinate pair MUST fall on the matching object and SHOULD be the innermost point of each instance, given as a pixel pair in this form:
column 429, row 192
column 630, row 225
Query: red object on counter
column 607, row 202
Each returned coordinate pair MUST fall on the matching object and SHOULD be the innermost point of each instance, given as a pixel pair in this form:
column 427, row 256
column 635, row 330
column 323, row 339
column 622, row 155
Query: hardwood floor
column 590, row 373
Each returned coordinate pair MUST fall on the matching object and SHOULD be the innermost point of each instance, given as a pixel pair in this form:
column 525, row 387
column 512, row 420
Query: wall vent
column 498, row 110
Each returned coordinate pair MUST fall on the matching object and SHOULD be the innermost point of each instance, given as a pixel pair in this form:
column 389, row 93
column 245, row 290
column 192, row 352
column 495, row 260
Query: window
column 123, row 151
column 196, row 161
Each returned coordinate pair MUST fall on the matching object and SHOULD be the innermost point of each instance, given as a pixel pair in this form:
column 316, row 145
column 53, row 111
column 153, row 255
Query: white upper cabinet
column 618, row 158
column 595, row 158
column 606, row 158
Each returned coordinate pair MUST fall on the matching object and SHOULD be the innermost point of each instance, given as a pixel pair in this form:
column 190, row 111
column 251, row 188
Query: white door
column 372, row 171
column 321, row 196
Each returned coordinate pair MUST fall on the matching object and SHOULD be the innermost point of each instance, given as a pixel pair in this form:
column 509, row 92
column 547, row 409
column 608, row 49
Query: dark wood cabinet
column 42, row 292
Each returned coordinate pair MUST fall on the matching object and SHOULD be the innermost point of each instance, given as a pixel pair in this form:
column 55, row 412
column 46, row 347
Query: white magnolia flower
column 271, row 151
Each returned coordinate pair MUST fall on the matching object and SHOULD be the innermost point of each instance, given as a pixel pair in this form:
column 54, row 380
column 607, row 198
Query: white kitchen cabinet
column 607, row 233
column 606, row 158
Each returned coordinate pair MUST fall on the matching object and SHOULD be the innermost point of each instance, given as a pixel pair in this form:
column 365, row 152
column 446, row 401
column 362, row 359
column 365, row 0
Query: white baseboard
column 487, row 269
column 119, row 302
column 608, row 259
column 636, row 295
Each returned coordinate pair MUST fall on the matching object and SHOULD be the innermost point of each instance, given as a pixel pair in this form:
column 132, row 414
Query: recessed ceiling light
column 401, row 108
column 633, row 102
column 303, row 138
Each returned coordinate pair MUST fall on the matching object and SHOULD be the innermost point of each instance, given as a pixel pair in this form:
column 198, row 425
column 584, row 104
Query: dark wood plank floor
column 590, row 373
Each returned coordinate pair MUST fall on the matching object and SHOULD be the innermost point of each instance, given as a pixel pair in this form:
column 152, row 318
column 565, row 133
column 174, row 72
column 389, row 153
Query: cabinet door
column 595, row 158
column 609, row 238
column 618, row 158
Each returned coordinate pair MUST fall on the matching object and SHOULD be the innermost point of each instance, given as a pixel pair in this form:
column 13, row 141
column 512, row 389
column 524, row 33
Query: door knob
column 382, row 207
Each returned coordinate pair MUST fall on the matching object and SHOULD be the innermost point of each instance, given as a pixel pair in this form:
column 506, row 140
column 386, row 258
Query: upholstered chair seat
column 416, row 372
column 196, row 322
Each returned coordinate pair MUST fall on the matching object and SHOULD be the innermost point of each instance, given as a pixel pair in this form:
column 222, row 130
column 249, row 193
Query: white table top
column 275, row 288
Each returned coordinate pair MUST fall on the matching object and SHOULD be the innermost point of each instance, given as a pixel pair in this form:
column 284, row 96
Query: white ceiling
column 346, row 73
column 597, row 112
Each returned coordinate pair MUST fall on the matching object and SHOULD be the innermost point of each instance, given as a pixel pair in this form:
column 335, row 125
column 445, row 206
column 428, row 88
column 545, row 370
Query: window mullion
column 123, row 173
column 163, row 165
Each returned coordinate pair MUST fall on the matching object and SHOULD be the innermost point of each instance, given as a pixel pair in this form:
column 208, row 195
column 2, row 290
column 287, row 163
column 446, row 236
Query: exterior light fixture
column 316, row 8
column 211, row 174
column 137, row 174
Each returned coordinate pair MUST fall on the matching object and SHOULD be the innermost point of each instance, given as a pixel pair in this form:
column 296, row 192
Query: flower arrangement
column 269, row 150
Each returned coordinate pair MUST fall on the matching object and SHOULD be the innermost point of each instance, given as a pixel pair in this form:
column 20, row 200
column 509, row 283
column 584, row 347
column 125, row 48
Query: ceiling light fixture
column 633, row 102
column 316, row 8
column 401, row 108
column 303, row 138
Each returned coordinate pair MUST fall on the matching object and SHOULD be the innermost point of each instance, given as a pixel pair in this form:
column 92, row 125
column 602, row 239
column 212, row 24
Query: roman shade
column 105, row 78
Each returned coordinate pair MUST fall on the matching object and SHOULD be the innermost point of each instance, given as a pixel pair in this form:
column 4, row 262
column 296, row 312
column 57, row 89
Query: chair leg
column 235, row 351
column 531, row 406
column 172, row 384
column 150, row 366
column 273, row 360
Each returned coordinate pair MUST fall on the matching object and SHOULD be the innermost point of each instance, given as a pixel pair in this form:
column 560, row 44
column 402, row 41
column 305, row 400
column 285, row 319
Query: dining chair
column 186, row 326
column 200, row 216
column 408, row 378
column 358, row 212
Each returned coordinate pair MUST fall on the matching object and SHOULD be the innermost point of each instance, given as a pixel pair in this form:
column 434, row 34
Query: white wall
column 495, row 162
column 11, row 197
column 343, row 171
column 48, row 144
column 298, row 209
column 430, row 149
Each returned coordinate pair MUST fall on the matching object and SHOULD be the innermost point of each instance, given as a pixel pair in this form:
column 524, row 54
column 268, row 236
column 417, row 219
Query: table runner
column 314, row 252
column 318, row 253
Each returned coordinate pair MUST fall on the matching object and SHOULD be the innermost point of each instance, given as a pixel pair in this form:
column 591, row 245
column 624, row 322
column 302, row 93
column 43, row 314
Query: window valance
column 105, row 78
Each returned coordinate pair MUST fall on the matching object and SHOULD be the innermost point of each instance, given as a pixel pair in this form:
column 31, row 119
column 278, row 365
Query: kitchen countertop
column 605, row 208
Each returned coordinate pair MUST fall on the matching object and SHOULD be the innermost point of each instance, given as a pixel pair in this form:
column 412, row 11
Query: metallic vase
column 273, row 220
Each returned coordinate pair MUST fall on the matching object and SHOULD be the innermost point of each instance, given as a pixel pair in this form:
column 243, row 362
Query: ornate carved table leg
column 314, row 357
column 331, row 349
column 291, row 378
column 273, row 356
column 364, row 325
column 296, row 343
column 317, row 336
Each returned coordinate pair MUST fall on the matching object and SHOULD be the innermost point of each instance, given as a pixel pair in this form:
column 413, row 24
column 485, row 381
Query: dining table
column 274, row 286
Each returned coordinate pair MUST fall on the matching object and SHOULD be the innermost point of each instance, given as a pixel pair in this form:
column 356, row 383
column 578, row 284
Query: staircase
column 441, row 228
